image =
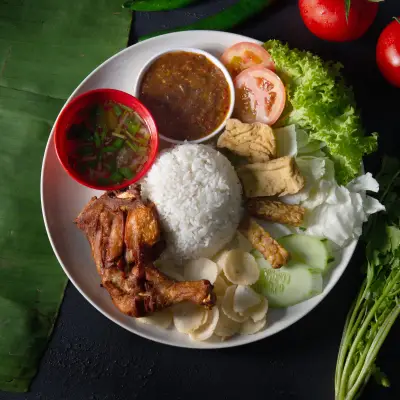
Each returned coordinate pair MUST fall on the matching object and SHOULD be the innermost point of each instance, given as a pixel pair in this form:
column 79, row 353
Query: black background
column 91, row 358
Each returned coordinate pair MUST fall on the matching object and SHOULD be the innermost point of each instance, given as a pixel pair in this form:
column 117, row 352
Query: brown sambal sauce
column 187, row 95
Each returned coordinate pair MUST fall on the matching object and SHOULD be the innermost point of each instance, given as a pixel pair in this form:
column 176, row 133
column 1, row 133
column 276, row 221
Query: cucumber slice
column 261, row 261
column 288, row 285
column 312, row 251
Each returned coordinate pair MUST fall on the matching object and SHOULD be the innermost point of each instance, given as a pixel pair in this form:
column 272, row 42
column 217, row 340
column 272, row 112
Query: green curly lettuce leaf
column 320, row 103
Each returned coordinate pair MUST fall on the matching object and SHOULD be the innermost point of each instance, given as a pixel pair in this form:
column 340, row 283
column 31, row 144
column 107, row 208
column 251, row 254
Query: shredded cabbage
column 320, row 103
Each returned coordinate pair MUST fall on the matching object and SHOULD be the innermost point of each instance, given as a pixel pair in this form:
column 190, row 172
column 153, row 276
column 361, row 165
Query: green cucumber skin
column 156, row 5
column 224, row 20
column 325, row 265
column 283, row 300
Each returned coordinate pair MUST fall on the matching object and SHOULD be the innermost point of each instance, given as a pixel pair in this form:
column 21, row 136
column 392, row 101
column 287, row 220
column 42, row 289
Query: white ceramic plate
column 62, row 199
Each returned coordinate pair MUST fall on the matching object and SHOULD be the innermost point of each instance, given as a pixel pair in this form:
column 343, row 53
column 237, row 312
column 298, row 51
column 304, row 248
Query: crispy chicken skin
column 263, row 242
column 124, row 233
column 156, row 292
column 275, row 211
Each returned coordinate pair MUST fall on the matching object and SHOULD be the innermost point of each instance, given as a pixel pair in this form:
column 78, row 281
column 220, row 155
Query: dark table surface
column 91, row 358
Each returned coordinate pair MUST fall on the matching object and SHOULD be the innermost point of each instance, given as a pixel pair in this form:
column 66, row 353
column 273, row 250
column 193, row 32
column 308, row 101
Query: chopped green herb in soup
column 108, row 144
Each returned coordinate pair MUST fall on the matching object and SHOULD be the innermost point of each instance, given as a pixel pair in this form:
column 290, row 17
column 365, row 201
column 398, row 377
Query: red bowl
column 70, row 114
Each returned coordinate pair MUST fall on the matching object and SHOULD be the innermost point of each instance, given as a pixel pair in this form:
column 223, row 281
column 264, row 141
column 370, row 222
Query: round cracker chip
column 169, row 269
column 207, row 329
column 244, row 298
column 202, row 268
column 219, row 259
column 225, row 326
column 188, row 317
column 258, row 312
column 243, row 243
column 240, row 267
column 174, row 275
column 250, row 327
column 220, row 286
column 227, row 305
column 162, row 319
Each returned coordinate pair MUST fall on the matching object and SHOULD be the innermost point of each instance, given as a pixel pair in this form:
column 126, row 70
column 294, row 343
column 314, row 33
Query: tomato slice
column 260, row 96
column 245, row 55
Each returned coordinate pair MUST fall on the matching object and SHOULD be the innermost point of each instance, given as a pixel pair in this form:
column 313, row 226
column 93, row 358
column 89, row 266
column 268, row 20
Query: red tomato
column 260, row 96
column 388, row 53
column 244, row 55
column 327, row 18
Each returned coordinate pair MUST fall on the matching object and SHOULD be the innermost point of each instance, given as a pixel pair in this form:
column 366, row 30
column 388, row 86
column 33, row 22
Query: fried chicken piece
column 142, row 235
column 255, row 141
column 124, row 233
column 103, row 224
column 158, row 292
column 263, row 242
column 276, row 211
column 276, row 177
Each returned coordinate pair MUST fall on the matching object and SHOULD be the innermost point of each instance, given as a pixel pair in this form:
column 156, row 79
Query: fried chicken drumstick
column 125, row 237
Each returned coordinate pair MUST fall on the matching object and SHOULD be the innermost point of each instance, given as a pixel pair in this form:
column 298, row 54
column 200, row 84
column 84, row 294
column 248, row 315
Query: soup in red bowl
column 106, row 139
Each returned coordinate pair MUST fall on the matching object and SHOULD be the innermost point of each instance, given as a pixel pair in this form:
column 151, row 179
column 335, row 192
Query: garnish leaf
column 320, row 103
column 347, row 4
column 396, row 19
column 377, row 305
column 126, row 172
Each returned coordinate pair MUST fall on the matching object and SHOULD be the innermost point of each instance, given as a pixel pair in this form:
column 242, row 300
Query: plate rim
column 210, row 345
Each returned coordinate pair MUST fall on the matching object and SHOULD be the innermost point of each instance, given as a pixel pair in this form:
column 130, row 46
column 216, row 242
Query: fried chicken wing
column 263, row 242
column 157, row 292
column 276, row 211
column 142, row 233
column 124, row 233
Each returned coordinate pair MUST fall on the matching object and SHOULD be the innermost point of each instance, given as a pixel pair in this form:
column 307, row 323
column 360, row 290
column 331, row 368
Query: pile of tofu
column 264, row 178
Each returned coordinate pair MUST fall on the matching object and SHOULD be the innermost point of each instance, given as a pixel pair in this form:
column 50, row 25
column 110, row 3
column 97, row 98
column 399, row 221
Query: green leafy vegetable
column 116, row 177
column 347, row 5
column 109, row 149
column 117, row 110
column 320, row 103
column 378, row 304
column 118, row 143
column 132, row 146
column 126, row 172
column 97, row 140
column 133, row 127
column 35, row 83
column 156, row 5
column 226, row 19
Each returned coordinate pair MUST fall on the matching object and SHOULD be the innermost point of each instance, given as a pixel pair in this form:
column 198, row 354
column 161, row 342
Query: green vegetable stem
column 156, row 5
column 377, row 305
column 224, row 20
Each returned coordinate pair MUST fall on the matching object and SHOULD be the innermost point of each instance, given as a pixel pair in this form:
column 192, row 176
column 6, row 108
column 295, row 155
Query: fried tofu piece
column 276, row 177
column 263, row 242
column 276, row 211
column 255, row 141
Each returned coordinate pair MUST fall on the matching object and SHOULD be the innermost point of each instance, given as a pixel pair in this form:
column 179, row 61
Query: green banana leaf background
column 46, row 48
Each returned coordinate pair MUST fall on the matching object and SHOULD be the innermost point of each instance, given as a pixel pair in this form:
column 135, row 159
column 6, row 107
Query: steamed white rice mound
column 198, row 196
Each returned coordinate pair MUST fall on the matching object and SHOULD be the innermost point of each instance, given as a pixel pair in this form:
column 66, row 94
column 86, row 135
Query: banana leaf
column 46, row 48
